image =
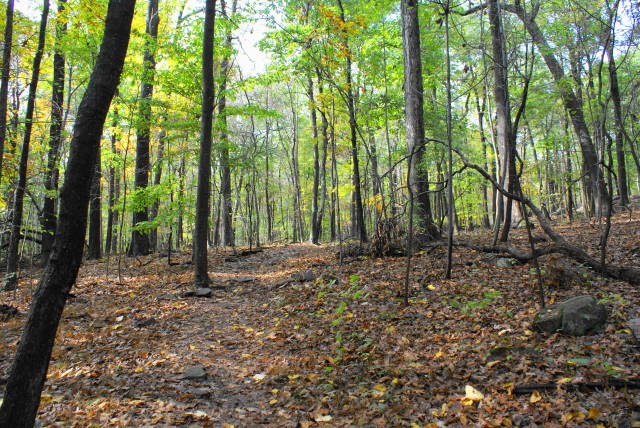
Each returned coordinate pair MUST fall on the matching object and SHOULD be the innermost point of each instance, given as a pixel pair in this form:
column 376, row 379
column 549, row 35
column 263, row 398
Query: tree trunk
column 29, row 369
column 111, row 243
column 157, row 178
column 140, row 239
column 4, row 84
column 504, row 131
column 48, row 218
column 95, row 215
column 225, row 161
column 414, row 111
column 358, row 215
column 617, row 116
column 11, row 276
column 315, row 215
column 201, row 231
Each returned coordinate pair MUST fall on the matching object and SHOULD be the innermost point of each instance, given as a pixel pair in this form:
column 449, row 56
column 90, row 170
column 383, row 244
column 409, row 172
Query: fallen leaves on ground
column 271, row 348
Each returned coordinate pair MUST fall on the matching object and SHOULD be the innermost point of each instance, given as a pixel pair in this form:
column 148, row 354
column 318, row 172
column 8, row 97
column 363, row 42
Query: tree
column 504, row 129
column 359, row 228
column 4, row 84
column 414, row 111
column 225, row 161
column 29, row 368
column 48, row 218
column 11, row 276
column 201, row 232
column 140, row 238
column 596, row 191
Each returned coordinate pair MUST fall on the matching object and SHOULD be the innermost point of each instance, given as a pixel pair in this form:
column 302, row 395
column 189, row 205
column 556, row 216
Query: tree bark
column 11, row 276
column 157, row 178
column 95, row 214
column 4, row 83
column 358, row 214
column 201, row 231
column 504, row 131
column 29, row 368
column 225, row 161
column 48, row 218
column 140, row 239
column 414, row 111
column 315, row 215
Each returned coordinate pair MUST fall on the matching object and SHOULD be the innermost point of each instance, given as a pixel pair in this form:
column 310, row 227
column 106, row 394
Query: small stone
column 203, row 292
column 195, row 373
column 167, row 297
column 244, row 279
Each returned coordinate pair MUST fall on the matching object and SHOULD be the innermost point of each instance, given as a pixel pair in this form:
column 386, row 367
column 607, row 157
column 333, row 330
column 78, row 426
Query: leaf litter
column 291, row 338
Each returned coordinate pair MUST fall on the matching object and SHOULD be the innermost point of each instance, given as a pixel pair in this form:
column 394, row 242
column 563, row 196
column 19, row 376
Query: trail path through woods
column 293, row 339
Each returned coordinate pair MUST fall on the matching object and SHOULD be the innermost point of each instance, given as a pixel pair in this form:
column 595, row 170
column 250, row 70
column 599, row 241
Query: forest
column 319, row 213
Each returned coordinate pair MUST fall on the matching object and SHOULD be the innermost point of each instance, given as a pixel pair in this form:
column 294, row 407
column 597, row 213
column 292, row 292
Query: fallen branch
column 624, row 273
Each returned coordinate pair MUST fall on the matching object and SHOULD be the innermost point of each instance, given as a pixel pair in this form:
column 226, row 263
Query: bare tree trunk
column 225, row 183
column 315, row 225
column 48, row 218
column 201, row 232
column 111, row 243
column 157, row 178
column 358, row 217
column 11, row 276
column 95, row 215
column 505, row 135
column 4, row 84
column 29, row 369
column 140, row 239
column 414, row 111
column 617, row 116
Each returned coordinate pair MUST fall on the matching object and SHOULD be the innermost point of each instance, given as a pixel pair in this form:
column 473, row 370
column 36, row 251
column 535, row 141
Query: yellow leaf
column 463, row 419
column 272, row 402
column 472, row 394
column 274, row 391
column 415, row 425
column 323, row 418
column 565, row 380
column 431, row 287
column 439, row 354
column 593, row 413
column 293, row 376
column 467, row 402
column 259, row 377
column 535, row 397
column 139, row 369
column 379, row 387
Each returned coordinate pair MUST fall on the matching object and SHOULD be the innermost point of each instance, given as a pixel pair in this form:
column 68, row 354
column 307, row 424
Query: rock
column 195, row 373
column 167, row 297
column 577, row 316
column 203, row 292
column 505, row 262
column 245, row 279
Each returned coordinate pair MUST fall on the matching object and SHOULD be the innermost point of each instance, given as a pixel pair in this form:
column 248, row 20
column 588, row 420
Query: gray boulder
column 577, row 316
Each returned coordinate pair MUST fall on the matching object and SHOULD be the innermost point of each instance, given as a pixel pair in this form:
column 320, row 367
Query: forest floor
column 336, row 346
